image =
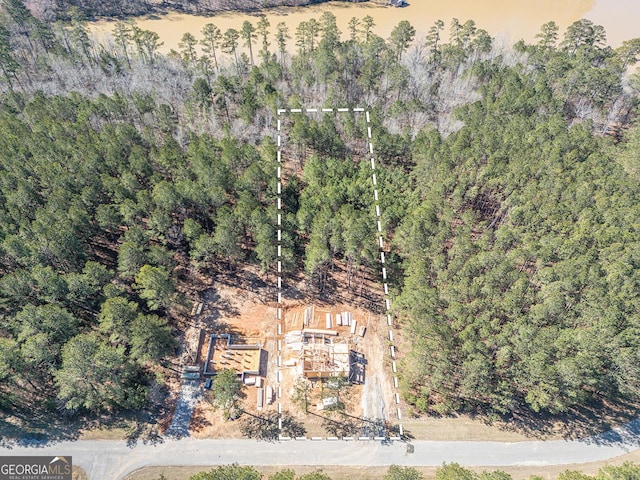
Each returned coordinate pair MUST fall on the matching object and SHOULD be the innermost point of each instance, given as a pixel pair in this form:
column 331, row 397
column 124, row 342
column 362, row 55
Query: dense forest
column 514, row 240
column 452, row 471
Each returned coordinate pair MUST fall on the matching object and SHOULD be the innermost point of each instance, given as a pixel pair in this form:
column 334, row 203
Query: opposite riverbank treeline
column 58, row 9
column 515, row 241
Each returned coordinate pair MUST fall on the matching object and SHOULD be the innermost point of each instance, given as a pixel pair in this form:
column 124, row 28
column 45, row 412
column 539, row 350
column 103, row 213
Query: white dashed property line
column 315, row 110
column 279, row 310
column 378, row 212
column 387, row 299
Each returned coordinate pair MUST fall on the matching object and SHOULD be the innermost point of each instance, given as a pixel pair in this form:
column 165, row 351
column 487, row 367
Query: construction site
column 248, row 361
column 320, row 343
column 314, row 336
column 317, row 341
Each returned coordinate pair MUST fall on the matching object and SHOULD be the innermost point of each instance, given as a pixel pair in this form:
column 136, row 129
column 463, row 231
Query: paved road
column 111, row 460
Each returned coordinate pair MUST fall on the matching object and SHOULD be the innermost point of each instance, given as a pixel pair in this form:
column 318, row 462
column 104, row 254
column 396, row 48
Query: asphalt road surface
column 111, row 460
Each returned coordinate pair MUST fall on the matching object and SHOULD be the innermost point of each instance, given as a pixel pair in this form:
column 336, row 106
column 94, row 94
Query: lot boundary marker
column 380, row 244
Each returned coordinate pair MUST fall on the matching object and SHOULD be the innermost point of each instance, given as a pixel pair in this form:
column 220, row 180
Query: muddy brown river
column 507, row 19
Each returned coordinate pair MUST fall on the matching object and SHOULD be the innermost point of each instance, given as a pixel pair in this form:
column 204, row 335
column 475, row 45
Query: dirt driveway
column 190, row 394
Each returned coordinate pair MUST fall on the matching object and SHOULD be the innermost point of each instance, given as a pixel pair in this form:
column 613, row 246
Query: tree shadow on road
column 38, row 428
column 341, row 424
column 143, row 432
column 267, row 427
column 592, row 423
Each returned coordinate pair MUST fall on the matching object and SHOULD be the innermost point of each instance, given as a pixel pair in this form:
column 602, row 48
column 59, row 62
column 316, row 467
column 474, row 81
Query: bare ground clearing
column 239, row 302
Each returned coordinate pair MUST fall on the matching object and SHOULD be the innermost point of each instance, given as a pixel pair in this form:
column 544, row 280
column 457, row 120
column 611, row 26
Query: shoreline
column 516, row 20
column 279, row 10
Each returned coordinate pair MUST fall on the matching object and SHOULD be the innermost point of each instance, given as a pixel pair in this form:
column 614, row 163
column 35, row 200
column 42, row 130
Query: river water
column 507, row 19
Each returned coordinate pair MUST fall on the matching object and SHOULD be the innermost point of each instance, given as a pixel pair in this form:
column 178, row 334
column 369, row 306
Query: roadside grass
column 105, row 433
column 335, row 472
column 377, row 473
column 461, row 427
column 78, row 473
column 588, row 420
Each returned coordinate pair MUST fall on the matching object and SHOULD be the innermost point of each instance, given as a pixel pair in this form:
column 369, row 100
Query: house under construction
column 318, row 353
column 324, row 360
column 319, row 344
